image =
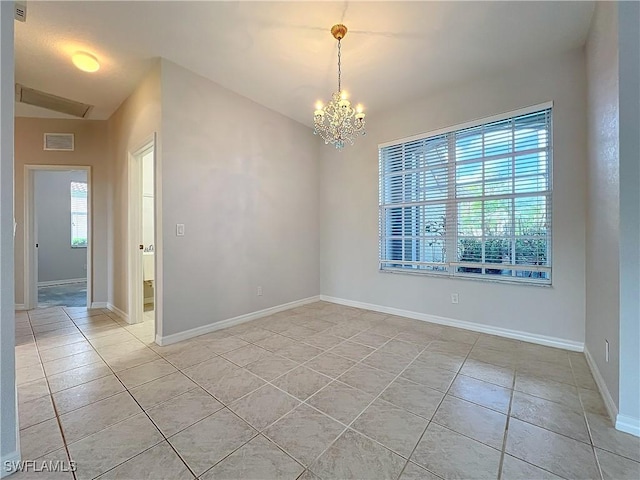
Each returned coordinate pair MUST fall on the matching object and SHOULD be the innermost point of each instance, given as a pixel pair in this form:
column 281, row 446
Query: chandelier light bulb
column 319, row 105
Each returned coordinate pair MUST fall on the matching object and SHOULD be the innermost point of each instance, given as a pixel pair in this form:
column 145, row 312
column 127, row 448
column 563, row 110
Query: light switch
column 180, row 230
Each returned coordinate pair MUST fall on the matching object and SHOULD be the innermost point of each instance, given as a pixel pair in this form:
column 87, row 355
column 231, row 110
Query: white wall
column 130, row 127
column 147, row 199
column 243, row 179
column 57, row 260
column 629, row 89
column 349, row 206
column 148, row 228
column 603, row 182
column 9, row 441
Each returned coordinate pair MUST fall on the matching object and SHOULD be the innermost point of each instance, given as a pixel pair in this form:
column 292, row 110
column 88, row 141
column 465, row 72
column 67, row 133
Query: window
column 78, row 214
column 472, row 201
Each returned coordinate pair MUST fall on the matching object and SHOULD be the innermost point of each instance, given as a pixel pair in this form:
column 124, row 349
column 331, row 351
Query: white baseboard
column 476, row 327
column 610, row 405
column 99, row 305
column 20, row 306
column 628, row 424
column 10, row 463
column 62, row 282
column 11, row 459
column 118, row 312
column 230, row 322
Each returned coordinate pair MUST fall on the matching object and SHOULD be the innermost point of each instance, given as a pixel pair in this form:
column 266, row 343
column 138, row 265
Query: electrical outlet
column 180, row 230
column 606, row 350
column 259, row 291
column 454, row 298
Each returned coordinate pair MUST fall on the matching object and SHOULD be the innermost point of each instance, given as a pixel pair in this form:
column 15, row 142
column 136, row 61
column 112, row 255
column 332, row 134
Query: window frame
column 451, row 204
column 74, row 213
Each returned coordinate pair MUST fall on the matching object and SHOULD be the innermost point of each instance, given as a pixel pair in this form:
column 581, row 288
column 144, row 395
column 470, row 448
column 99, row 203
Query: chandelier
column 338, row 122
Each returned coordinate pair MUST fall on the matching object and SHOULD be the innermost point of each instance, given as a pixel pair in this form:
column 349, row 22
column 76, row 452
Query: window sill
column 79, row 246
column 467, row 277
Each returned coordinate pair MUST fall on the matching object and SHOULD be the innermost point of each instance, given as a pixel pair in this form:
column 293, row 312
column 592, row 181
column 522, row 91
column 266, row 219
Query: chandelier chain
column 339, row 68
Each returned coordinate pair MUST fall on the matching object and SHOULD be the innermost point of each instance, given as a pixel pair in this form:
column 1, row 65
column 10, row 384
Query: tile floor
column 321, row 391
column 70, row 294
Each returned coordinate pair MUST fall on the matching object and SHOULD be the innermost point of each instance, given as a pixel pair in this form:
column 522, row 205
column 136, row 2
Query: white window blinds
column 79, row 214
column 473, row 201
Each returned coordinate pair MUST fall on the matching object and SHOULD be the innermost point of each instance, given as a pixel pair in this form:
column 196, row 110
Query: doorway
column 58, row 236
column 142, row 238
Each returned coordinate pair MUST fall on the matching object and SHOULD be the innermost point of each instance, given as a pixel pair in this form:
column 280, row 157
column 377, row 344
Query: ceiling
column 281, row 54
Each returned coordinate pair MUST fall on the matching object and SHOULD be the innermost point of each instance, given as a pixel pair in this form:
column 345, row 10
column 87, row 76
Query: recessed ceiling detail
column 37, row 98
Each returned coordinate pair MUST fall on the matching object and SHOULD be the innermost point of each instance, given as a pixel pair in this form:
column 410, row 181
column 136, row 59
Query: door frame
column 30, row 250
column 135, row 276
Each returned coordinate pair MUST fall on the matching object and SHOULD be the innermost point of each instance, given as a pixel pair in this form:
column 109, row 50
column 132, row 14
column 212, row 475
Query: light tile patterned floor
column 321, row 391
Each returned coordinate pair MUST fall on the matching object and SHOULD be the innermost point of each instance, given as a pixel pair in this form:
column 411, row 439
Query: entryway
column 57, row 240
column 142, row 238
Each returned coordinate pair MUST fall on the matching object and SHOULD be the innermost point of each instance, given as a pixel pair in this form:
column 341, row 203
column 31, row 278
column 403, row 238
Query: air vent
column 59, row 142
column 21, row 12
column 51, row 102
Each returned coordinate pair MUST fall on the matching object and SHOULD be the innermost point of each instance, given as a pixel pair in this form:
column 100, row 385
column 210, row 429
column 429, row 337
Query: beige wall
column 132, row 125
column 90, row 150
column 603, row 211
column 349, row 206
column 244, row 181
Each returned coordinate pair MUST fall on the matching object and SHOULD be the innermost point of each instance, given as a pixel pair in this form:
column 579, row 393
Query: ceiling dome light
column 85, row 62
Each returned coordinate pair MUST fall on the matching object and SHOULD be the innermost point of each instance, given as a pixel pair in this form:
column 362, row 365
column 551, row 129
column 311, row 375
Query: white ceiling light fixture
column 338, row 122
column 85, row 62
